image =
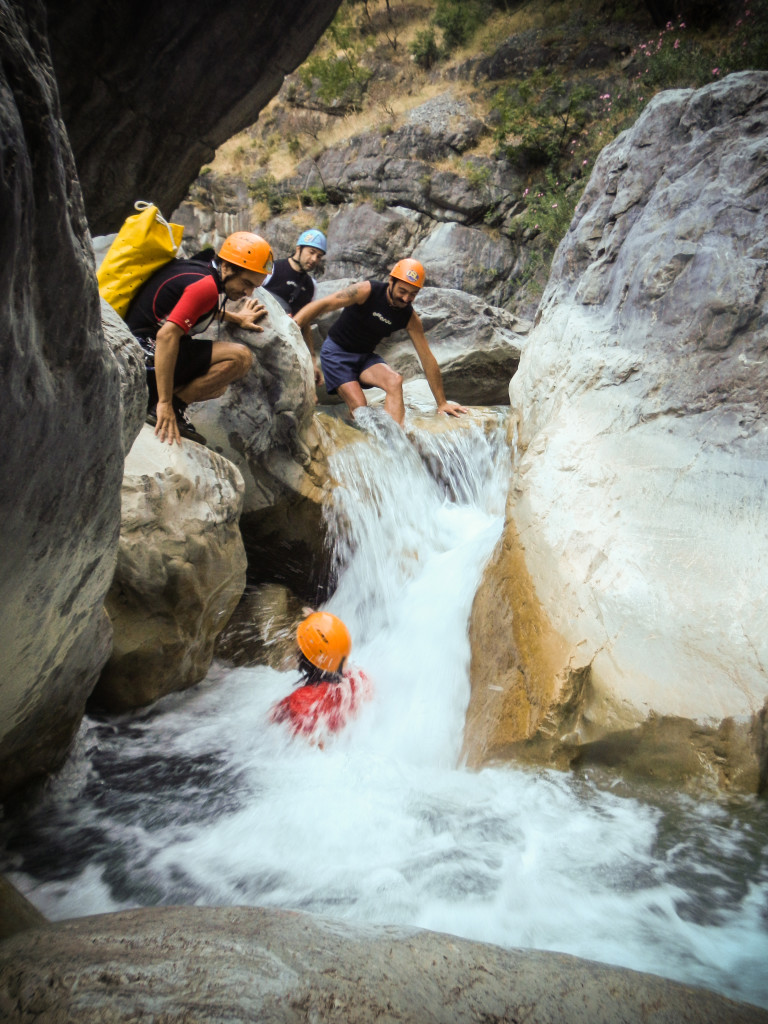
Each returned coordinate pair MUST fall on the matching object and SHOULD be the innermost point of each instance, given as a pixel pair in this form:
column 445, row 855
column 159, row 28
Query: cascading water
column 201, row 800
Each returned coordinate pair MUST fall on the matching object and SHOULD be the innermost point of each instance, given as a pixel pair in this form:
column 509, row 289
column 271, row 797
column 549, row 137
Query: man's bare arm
column 166, row 353
column 352, row 295
column 431, row 368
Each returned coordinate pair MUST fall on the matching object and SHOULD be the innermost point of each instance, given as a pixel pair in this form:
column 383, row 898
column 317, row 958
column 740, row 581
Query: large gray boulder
column 60, row 421
column 364, row 241
column 471, row 259
column 624, row 611
column 129, row 357
column 261, row 422
column 213, row 965
column 266, row 425
column 180, row 570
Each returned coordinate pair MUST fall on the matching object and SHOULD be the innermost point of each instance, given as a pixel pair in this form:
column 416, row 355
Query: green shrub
column 477, row 175
column 538, row 119
column 550, row 209
column 340, row 79
column 749, row 46
column 314, row 196
column 424, row 49
column 459, row 20
column 673, row 60
column 265, row 189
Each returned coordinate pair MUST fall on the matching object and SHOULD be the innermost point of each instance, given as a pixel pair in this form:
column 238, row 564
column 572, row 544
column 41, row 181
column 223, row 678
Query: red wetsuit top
column 186, row 292
column 324, row 707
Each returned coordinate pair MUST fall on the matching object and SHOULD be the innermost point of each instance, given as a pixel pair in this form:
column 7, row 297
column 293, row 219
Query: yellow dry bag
column 145, row 242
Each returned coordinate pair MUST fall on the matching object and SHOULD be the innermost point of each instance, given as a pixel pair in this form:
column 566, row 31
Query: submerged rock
column 631, row 579
column 217, row 964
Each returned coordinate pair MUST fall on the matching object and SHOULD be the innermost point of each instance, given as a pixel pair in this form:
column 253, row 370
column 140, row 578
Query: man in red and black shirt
column 179, row 302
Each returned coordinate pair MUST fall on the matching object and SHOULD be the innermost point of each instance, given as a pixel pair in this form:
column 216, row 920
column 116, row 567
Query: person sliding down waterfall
column 331, row 692
column 372, row 310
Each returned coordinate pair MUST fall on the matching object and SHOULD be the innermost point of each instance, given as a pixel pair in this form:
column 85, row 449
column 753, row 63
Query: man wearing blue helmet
column 291, row 282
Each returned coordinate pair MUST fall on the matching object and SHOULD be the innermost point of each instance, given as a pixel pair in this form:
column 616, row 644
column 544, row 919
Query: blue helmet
column 314, row 238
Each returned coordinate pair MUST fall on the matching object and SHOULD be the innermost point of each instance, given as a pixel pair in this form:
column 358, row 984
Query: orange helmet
column 410, row 271
column 244, row 249
column 324, row 640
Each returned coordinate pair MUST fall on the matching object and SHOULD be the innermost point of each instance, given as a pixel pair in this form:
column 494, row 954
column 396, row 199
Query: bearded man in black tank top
column 372, row 311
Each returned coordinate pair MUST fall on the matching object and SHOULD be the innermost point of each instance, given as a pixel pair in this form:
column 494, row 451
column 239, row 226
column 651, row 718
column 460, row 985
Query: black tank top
column 157, row 297
column 361, row 328
column 295, row 287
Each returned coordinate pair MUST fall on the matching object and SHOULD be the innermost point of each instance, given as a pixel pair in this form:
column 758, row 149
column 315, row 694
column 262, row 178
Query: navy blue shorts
column 342, row 367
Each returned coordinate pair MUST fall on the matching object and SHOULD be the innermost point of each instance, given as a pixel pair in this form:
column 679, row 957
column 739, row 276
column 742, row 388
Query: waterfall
column 200, row 799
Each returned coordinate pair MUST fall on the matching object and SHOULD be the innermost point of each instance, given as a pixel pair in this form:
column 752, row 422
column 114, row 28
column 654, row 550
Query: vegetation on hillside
column 572, row 77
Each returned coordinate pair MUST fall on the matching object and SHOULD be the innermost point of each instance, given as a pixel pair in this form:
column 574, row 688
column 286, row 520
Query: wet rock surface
column 60, row 420
column 241, row 964
column 636, row 503
column 180, row 570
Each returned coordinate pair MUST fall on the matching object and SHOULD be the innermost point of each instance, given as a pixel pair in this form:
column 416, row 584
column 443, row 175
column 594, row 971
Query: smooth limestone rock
column 266, row 425
column 213, row 965
column 59, row 419
column 133, row 379
column 630, row 583
column 261, row 422
column 180, row 569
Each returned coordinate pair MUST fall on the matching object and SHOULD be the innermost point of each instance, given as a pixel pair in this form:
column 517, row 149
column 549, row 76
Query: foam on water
column 200, row 799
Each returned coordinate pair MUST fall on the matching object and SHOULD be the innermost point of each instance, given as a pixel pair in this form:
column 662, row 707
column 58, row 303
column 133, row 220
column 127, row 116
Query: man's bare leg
column 384, row 377
column 229, row 362
column 353, row 395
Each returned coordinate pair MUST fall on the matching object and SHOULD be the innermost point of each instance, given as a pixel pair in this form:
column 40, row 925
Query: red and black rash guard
column 361, row 328
column 183, row 291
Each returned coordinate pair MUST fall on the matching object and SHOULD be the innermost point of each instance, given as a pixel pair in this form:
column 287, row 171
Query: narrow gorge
column 554, row 802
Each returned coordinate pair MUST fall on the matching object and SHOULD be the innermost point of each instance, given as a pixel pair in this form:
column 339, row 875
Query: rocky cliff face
column 149, row 90
column 60, row 421
column 147, row 94
column 632, row 576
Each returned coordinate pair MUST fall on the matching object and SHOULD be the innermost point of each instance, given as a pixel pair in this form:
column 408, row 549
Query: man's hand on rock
column 167, row 427
column 452, row 408
column 247, row 316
